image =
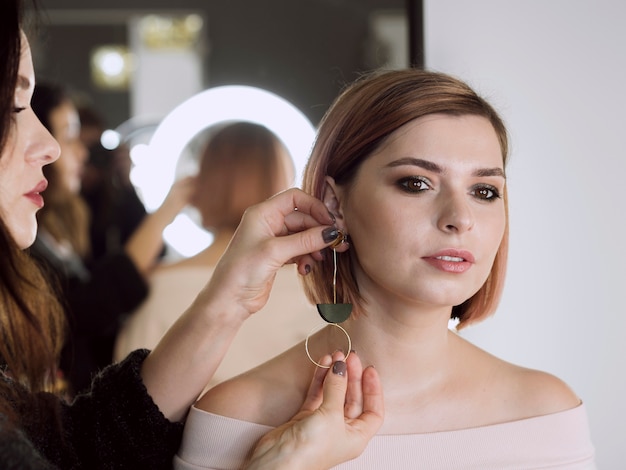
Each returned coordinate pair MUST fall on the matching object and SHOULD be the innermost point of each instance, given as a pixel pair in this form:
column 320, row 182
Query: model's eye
column 414, row 184
column 486, row 192
column 18, row 109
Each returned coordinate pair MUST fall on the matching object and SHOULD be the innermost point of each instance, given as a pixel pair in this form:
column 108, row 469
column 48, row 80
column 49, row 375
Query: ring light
column 155, row 165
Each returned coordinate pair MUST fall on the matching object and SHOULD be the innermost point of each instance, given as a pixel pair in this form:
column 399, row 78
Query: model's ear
column 332, row 199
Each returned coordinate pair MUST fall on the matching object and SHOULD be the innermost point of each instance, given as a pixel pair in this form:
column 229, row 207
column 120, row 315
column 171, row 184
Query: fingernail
column 329, row 234
column 339, row 368
column 307, row 268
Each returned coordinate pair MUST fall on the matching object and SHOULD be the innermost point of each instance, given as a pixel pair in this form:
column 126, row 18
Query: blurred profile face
column 65, row 126
column 29, row 147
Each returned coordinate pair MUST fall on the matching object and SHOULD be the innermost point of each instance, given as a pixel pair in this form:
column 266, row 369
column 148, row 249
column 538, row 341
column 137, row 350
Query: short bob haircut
column 242, row 164
column 357, row 123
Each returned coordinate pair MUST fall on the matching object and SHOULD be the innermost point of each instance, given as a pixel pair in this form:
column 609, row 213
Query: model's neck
column 400, row 343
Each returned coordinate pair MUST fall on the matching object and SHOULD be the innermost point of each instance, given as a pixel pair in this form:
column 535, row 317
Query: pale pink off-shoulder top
column 556, row 441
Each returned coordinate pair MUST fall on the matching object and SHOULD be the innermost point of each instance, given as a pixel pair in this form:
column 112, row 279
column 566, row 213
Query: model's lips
column 34, row 194
column 451, row 260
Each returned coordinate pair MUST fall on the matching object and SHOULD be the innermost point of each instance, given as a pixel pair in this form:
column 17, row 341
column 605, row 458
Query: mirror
column 303, row 51
column 138, row 66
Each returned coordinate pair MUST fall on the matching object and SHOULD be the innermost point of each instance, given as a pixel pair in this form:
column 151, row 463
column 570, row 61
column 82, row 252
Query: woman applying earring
column 412, row 166
column 132, row 415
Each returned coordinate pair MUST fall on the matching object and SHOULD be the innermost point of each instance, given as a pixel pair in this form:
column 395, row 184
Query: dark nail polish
column 329, row 234
column 307, row 268
column 339, row 368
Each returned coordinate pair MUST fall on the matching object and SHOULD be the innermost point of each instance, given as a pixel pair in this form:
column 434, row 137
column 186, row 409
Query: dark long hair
column 31, row 318
column 10, row 49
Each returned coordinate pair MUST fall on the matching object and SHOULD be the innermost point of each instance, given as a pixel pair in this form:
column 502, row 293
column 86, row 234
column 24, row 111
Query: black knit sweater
column 116, row 425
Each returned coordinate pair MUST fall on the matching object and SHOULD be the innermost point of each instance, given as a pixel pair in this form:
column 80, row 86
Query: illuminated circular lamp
column 205, row 109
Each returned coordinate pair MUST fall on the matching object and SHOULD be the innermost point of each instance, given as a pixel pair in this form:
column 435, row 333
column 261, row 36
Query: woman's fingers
column 287, row 226
column 322, row 436
column 335, row 385
column 291, row 227
column 296, row 206
column 315, row 394
column 354, row 396
column 373, row 403
column 364, row 391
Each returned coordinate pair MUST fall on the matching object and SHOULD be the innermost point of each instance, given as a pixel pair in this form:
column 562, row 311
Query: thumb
column 335, row 386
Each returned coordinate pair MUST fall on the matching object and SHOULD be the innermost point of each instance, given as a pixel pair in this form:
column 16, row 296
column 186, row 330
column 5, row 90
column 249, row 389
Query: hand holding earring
column 333, row 313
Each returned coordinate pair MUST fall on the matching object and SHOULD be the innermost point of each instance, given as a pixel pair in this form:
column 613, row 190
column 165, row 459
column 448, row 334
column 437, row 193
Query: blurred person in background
column 116, row 209
column 98, row 292
column 241, row 164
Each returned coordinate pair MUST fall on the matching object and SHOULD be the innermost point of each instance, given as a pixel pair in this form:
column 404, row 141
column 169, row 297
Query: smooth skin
column 425, row 222
column 272, row 233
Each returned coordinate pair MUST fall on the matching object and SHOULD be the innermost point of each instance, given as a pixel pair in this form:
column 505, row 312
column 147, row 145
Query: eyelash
column 18, row 109
column 405, row 184
column 408, row 183
column 495, row 194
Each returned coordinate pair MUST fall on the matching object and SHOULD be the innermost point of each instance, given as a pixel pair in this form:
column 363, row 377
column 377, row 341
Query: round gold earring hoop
column 315, row 330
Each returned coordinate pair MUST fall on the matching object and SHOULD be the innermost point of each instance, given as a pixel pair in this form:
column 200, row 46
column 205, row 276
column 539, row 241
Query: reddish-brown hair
column 357, row 123
column 242, row 164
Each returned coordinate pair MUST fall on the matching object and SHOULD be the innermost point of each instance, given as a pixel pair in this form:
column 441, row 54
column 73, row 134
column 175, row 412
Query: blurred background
column 118, row 51
column 555, row 70
column 135, row 62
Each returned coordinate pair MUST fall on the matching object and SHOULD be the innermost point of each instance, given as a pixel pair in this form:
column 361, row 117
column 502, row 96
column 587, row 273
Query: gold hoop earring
column 315, row 330
column 332, row 313
column 335, row 313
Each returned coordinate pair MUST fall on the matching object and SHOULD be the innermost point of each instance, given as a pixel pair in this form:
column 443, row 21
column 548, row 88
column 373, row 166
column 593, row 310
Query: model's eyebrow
column 489, row 172
column 433, row 167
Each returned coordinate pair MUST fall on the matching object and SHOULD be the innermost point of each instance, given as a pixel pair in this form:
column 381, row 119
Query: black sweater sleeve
column 115, row 425
column 17, row 451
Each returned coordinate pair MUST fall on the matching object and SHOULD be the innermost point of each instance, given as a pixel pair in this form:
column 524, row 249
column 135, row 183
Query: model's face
column 29, row 147
column 425, row 212
column 65, row 126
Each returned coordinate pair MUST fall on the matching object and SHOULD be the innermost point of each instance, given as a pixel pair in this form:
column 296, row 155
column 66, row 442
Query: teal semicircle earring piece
column 334, row 313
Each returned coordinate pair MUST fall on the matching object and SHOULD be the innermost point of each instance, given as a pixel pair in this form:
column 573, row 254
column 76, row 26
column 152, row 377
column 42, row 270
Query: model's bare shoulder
column 500, row 391
column 266, row 395
column 542, row 393
column 241, row 398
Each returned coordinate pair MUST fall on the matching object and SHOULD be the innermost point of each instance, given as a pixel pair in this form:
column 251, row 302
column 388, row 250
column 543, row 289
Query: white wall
column 556, row 70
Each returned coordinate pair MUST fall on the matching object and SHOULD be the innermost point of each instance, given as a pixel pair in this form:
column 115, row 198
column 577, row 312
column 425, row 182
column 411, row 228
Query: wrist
column 290, row 450
column 281, row 457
